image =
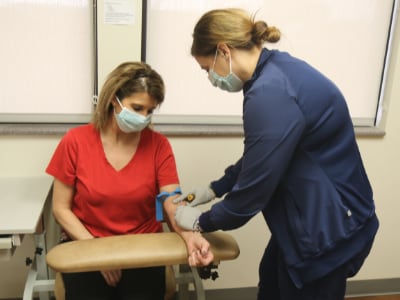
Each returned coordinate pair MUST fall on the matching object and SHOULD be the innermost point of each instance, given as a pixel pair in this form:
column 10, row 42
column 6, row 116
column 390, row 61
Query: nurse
column 301, row 166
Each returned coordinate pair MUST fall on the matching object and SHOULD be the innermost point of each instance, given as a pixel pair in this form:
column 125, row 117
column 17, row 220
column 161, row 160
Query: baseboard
column 355, row 288
column 373, row 287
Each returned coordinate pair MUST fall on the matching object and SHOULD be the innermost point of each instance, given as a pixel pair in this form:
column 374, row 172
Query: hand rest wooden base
column 133, row 251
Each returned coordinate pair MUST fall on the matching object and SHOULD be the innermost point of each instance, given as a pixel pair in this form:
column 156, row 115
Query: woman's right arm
column 63, row 195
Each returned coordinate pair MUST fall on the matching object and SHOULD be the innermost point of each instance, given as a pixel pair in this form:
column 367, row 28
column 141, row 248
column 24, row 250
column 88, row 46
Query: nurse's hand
column 187, row 217
column 197, row 196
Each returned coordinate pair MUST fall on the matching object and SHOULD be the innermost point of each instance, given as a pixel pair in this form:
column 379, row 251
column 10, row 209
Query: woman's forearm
column 199, row 253
column 71, row 224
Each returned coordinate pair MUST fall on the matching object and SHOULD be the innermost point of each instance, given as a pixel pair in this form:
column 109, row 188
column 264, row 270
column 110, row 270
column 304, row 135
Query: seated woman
column 107, row 175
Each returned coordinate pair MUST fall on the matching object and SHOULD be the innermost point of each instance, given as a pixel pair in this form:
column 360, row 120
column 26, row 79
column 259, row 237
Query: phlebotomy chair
column 141, row 250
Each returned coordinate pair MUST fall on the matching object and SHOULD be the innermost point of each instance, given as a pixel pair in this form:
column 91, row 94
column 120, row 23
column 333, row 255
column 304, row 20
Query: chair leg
column 186, row 275
column 200, row 293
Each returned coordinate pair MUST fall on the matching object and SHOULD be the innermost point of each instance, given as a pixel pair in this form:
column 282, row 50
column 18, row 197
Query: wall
column 29, row 155
column 343, row 19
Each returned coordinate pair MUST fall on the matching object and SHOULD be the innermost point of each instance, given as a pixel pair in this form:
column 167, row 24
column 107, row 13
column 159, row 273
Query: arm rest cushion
column 133, row 251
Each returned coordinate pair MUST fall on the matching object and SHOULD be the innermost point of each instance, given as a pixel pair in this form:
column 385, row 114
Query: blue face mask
column 129, row 121
column 230, row 83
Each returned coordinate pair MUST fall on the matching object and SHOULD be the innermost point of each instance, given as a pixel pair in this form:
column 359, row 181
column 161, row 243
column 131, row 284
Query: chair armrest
column 133, row 251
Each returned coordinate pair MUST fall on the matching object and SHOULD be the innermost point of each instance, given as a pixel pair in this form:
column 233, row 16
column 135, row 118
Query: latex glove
column 201, row 195
column 187, row 217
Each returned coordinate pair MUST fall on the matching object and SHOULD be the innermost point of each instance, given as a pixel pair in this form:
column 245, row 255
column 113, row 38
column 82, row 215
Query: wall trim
column 181, row 130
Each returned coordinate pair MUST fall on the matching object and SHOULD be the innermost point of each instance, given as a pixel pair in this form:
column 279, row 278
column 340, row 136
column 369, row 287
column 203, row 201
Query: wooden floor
column 388, row 297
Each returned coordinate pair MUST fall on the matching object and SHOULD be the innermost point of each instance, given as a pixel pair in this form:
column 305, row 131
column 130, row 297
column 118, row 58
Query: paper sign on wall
column 119, row 12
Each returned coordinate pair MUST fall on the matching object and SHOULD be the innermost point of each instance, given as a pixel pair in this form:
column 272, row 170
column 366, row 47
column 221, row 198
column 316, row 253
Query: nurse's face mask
column 129, row 121
column 230, row 82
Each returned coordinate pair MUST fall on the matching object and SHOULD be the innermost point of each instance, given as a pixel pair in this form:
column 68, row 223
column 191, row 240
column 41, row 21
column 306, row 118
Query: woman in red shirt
column 107, row 175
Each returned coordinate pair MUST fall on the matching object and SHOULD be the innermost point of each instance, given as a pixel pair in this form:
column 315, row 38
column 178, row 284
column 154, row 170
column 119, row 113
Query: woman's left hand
column 199, row 253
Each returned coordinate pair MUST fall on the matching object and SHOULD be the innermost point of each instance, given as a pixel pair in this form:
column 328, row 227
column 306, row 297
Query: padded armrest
column 133, row 251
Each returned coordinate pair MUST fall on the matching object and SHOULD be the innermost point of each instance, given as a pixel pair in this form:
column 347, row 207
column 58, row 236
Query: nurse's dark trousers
column 275, row 283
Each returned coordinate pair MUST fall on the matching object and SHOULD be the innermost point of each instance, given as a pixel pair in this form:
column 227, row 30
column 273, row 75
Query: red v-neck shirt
column 110, row 202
